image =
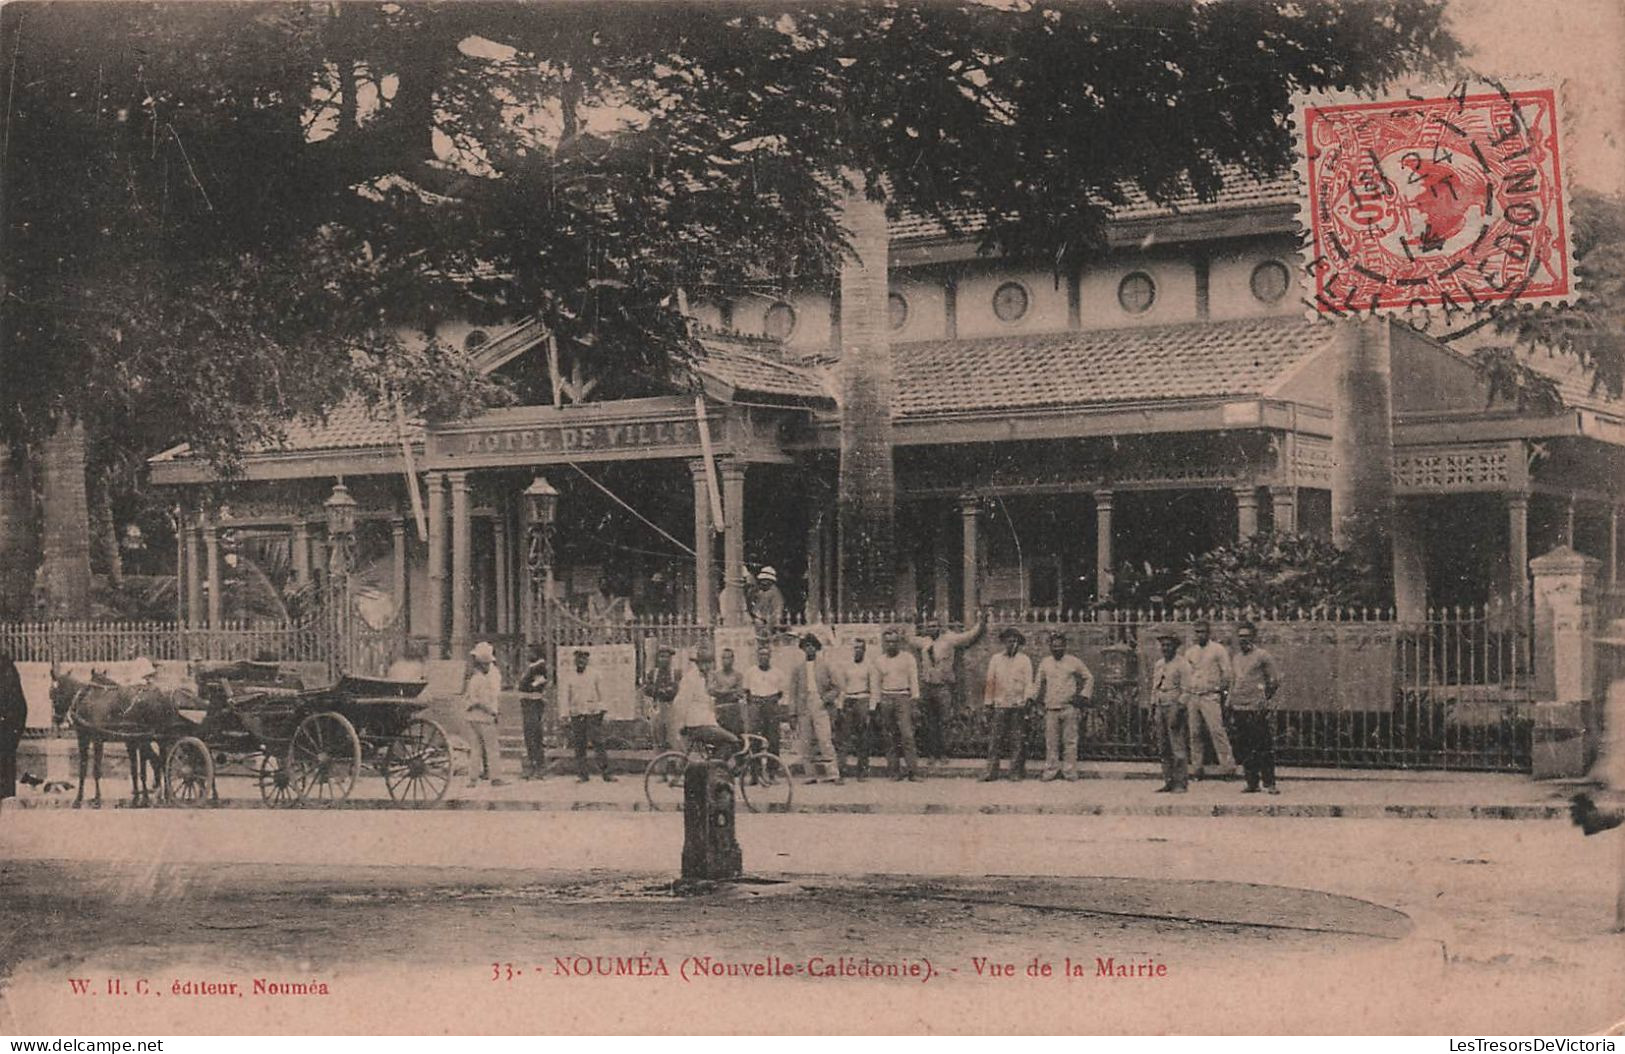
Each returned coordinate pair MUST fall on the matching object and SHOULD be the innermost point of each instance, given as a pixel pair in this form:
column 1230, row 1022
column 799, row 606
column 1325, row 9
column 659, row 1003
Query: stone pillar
column 438, row 551
column 1518, row 548
column 211, row 550
column 502, row 569
column 397, row 541
column 1613, row 546
column 462, row 560
column 705, row 576
column 1565, row 602
column 1362, row 446
column 815, row 568
column 1246, row 510
column 300, row 552
column 1284, row 509
column 1103, row 545
column 969, row 507
column 735, row 610
column 194, row 574
column 1410, row 564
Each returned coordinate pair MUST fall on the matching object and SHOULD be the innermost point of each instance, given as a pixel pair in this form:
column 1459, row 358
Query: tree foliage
column 1287, row 572
column 1592, row 326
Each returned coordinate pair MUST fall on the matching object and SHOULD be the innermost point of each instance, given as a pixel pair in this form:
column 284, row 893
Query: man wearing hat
column 1007, row 692
column 1171, row 722
column 482, row 695
column 692, row 710
column 581, row 703
column 939, row 680
column 660, row 685
column 767, row 603
column 816, row 695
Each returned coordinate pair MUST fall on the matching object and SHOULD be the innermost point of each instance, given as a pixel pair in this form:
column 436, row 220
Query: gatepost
column 1567, row 721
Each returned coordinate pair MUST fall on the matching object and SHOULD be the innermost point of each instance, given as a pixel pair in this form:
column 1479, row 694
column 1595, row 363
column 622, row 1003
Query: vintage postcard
column 889, row 518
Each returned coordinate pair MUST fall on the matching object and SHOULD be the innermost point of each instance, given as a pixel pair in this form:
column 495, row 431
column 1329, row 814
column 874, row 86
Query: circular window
column 1010, row 301
column 1137, row 292
column 476, row 338
column 1270, row 280
column 897, row 311
column 780, row 321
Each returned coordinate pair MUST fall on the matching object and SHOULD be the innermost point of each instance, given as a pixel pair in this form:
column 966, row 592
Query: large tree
column 216, row 216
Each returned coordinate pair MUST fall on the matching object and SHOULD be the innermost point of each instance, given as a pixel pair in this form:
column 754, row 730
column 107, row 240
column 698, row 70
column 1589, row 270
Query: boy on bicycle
column 693, row 711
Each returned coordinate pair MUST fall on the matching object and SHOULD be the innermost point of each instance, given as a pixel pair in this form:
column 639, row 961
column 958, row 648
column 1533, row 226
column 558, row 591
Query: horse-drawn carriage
column 300, row 744
column 309, row 744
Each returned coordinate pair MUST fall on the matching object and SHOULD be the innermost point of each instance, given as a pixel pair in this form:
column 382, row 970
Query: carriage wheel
column 188, row 772
column 323, row 758
column 276, row 781
column 765, row 784
column 417, row 762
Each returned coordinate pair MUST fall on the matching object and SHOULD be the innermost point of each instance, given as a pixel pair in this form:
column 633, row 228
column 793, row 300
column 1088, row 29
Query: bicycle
column 761, row 779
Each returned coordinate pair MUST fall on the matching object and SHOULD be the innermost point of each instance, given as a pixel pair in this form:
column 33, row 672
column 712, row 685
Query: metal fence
column 1360, row 689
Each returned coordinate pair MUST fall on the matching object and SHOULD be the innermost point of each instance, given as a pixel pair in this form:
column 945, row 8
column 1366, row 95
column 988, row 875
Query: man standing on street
column 1257, row 679
column 859, row 690
column 898, row 674
column 482, row 699
column 532, row 704
column 1206, row 683
column 1007, row 693
column 581, row 701
column 13, row 716
column 1171, row 722
column 816, row 696
column 727, row 687
column 661, row 687
column 766, row 689
column 1065, row 685
column 939, row 676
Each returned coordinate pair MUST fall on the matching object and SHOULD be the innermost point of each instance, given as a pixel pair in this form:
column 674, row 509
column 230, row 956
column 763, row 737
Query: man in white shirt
column 1206, row 682
column 581, row 703
column 1065, row 685
column 693, row 711
column 482, row 698
column 765, row 692
column 898, row 674
column 858, row 690
column 1007, row 692
column 939, row 681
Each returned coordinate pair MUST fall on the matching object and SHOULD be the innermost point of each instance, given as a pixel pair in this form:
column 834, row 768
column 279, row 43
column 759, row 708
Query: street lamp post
column 541, row 507
column 341, row 516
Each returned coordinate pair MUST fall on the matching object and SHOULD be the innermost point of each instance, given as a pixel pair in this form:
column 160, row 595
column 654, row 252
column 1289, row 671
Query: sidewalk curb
column 1217, row 811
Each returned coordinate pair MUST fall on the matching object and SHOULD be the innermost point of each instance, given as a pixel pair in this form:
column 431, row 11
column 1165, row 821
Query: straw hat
column 767, row 574
column 483, row 652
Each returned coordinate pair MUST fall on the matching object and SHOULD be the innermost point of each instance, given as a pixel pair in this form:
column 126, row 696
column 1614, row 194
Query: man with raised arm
column 939, row 679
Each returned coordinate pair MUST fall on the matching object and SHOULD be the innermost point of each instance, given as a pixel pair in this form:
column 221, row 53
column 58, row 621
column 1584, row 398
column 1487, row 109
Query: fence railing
column 1360, row 688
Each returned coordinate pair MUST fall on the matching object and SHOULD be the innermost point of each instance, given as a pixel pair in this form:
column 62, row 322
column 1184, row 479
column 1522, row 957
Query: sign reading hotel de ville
column 488, row 441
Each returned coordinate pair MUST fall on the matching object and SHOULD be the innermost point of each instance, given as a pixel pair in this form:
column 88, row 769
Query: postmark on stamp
column 1447, row 200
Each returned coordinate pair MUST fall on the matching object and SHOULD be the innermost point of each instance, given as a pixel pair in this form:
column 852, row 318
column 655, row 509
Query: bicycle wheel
column 663, row 781
column 765, row 784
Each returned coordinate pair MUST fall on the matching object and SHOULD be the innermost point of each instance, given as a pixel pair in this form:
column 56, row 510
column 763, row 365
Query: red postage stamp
column 1448, row 201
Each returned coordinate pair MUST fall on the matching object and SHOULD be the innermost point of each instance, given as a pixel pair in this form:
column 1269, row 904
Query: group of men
column 1194, row 690
column 854, row 706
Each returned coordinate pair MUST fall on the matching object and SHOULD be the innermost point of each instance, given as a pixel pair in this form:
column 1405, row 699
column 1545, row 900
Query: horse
column 101, row 710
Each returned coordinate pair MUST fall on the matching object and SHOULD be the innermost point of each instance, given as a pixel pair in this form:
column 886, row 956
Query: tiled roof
column 1573, row 380
column 348, row 425
column 1194, row 360
column 756, row 366
column 1242, row 190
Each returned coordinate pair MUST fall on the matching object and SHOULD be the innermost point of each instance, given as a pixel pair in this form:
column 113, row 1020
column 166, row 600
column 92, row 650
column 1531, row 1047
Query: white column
column 1103, row 545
